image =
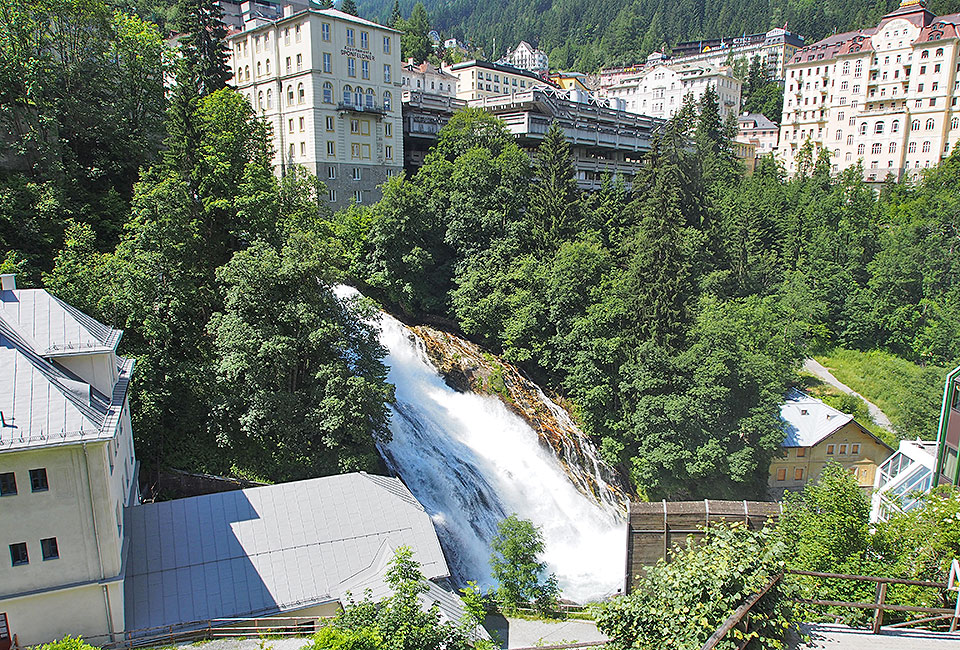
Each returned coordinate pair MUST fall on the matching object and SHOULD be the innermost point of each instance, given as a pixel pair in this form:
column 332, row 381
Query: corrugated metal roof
column 808, row 420
column 268, row 549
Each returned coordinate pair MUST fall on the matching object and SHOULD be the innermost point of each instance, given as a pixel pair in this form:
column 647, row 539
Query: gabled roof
column 755, row 121
column 269, row 549
column 54, row 328
column 808, row 420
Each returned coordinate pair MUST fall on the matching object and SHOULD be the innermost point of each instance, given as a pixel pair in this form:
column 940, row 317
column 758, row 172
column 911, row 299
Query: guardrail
column 213, row 629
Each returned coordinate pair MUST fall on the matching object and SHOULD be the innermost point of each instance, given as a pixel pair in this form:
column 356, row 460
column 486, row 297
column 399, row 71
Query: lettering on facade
column 356, row 53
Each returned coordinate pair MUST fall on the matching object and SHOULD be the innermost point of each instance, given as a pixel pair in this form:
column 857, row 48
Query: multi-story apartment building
column 758, row 130
column 479, row 79
column 885, row 95
column 604, row 139
column 235, row 13
column 527, row 57
column 424, row 114
column 659, row 90
column 328, row 84
column 67, row 470
column 428, row 78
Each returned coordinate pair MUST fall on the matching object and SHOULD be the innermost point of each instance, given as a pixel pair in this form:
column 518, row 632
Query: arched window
column 939, row 52
column 839, row 134
column 848, row 156
column 268, row 66
column 300, row 93
column 863, row 129
column 926, row 146
column 347, row 94
column 259, row 69
column 260, row 100
column 912, row 147
column 895, row 126
column 930, row 124
column 388, row 100
column 836, row 153
column 239, row 74
column 857, row 69
column 892, row 148
column 846, row 67
column 370, row 98
column 876, row 147
column 878, row 128
column 246, row 72
column 849, row 139
column 269, row 98
column 955, row 122
column 358, row 96
column 290, row 95
column 925, row 54
column 327, row 92
column 915, row 125
column 861, row 148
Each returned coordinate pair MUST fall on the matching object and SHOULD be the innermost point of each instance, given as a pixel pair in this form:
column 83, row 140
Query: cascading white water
column 471, row 462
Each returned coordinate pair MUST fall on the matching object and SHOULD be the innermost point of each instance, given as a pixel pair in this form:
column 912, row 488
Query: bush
column 68, row 643
column 331, row 638
column 680, row 604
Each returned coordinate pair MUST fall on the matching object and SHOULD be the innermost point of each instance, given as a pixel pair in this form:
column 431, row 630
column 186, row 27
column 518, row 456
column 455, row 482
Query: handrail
column 738, row 615
column 845, row 576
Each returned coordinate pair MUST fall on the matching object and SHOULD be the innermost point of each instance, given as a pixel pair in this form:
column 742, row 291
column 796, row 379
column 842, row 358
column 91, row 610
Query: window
column 301, row 125
column 856, row 89
column 347, row 94
column 356, row 174
column 863, row 129
column 290, row 95
column 332, row 196
column 331, row 149
column 876, row 147
column 259, row 69
column 388, row 129
column 387, row 100
column 926, row 146
column 324, row 31
column 846, row 67
column 855, row 448
column 327, row 63
column 300, row 93
column 844, row 85
column 354, row 150
column 912, row 147
column 332, row 173
column 364, row 40
column 329, row 122
column 358, row 196
column 830, row 448
column 38, row 480
column 857, row 69
column 286, row 36
column 954, row 122
column 839, row 134
column 303, row 148
column 915, row 125
column 48, row 548
column 895, row 126
column 386, row 73
column 369, row 103
column 350, row 40
column 878, row 128
column 782, row 474
column 923, row 70
column 296, row 30
column 256, row 42
column 939, row 52
column 801, row 452
column 351, row 67
column 388, row 152
column 364, row 127
column 892, row 148
column 289, row 65
column 936, row 68
column 849, row 139
column 354, row 126
column 929, row 125
column 386, row 45
column 798, row 474
column 366, row 152
column 268, row 66
column 269, row 98
column 925, row 54
column 290, row 125
column 327, row 92
column 8, row 484
column 365, row 69
column 843, row 449
column 18, row 554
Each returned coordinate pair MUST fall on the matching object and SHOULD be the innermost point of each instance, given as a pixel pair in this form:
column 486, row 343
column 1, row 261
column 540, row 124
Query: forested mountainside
column 587, row 35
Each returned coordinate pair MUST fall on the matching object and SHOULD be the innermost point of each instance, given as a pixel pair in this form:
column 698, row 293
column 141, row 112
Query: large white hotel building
column 328, row 85
column 886, row 95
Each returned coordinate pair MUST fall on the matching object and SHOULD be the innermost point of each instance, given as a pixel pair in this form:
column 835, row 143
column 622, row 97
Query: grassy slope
column 908, row 393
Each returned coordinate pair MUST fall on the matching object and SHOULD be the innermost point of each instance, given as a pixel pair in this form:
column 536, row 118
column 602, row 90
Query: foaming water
column 471, row 463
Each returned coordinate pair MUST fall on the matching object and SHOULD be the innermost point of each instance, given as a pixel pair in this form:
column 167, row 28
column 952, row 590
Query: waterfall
column 471, row 462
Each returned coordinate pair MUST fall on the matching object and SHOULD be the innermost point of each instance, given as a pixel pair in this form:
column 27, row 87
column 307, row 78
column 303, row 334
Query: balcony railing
column 358, row 108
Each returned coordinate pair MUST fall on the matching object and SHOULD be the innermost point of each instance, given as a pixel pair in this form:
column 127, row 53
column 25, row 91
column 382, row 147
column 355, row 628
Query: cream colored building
column 481, row 79
column 885, row 95
column 659, row 90
column 428, row 78
column 756, row 129
column 527, row 57
column 67, row 470
column 328, row 84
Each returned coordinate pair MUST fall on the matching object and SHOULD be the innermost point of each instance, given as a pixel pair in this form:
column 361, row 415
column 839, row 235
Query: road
column 840, row 637
column 815, row 368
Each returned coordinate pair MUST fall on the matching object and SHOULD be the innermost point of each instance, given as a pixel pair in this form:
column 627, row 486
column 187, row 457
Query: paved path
column 522, row 633
column 815, row 368
column 841, row 637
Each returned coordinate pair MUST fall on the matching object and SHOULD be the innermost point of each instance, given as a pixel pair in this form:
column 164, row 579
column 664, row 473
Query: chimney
column 8, row 282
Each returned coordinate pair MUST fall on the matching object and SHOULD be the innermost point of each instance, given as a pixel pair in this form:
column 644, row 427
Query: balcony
column 374, row 109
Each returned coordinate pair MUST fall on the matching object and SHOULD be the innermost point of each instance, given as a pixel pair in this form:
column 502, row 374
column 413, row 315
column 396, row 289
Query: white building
column 660, row 90
column 328, row 84
column 757, row 130
column 885, row 95
column 904, row 476
column 426, row 77
column 527, row 57
column 480, row 79
column 235, row 13
column 67, row 470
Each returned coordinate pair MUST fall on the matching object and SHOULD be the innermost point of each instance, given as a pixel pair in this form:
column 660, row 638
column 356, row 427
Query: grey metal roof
column 44, row 404
column 52, row 326
column 808, row 420
column 268, row 549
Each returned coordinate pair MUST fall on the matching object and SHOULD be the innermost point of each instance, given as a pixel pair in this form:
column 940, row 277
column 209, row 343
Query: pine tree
column 349, row 7
column 554, row 198
column 395, row 16
column 203, row 44
column 414, row 42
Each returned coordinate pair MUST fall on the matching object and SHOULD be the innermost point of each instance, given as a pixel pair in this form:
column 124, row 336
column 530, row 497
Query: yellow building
column 818, row 434
column 569, row 80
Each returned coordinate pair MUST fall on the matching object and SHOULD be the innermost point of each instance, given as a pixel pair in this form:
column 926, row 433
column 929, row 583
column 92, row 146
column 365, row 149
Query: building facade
column 480, row 79
column 428, row 78
column 902, row 478
column 817, row 434
column 235, row 13
column 885, row 96
column 527, row 57
column 758, row 130
column 328, row 84
column 67, row 470
column 604, row 139
column 775, row 49
column 660, row 90
column 424, row 114
column 948, row 433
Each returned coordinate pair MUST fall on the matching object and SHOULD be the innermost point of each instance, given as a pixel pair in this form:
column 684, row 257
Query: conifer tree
column 203, row 45
column 349, row 7
column 396, row 18
column 553, row 200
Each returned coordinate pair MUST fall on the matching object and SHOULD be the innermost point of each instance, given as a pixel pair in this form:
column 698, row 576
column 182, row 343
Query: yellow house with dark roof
column 817, row 434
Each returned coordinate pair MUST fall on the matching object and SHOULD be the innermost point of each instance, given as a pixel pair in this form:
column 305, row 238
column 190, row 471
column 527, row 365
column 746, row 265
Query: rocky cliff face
column 466, row 367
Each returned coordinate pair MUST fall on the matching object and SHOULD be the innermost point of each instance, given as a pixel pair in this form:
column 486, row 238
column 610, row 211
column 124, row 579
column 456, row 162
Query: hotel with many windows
column 328, row 85
column 886, row 96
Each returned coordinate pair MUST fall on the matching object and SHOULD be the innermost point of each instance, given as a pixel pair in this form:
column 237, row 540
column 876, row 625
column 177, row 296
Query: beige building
column 328, row 84
column 527, row 57
column 67, row 470
column 659, row 90
column 481, row 79
column 885, row 95
column 756, row 129
column 817, row 434
column 428, row 78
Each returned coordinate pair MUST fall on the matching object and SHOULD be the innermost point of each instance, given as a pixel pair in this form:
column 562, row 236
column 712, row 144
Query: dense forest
column 672, row 315
column 586, row 35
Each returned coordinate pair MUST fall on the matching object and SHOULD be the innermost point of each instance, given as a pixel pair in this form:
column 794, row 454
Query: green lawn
column 908, row 393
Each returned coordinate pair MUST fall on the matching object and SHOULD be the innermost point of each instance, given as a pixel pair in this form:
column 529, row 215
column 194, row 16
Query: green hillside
column 586, row 35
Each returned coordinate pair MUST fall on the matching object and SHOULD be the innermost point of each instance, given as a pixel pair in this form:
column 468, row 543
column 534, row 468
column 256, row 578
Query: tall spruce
column 554, row 198
column 349, row 7
column 203, row 45
column 414, row 41
column 396, row 18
